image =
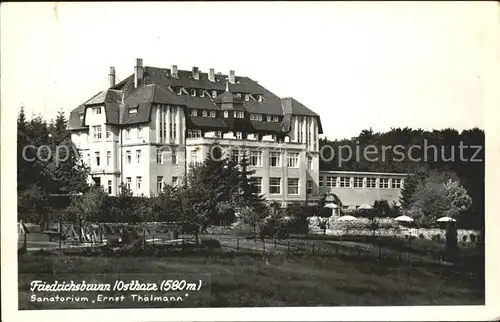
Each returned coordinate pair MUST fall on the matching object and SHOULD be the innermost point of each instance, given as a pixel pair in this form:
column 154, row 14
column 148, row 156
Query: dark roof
column 205, row 122
column 158, row 86
column 266, row 126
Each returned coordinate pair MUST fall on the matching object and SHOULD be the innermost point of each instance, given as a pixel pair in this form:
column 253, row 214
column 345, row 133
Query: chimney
column 111, row 77
column 211, row 75
column 232, row 79
column 196, row 73
column 139, row 72
column 174, row 71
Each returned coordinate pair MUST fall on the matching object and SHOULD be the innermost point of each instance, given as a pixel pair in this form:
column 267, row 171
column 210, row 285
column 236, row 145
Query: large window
column 159, row 156
column 175, row 181
column 321, row 181
column 109, row 133
column 345, row 182
column 235, row 155
column 309, row 188
column 309, row 163
column 194, row 133
column 396, row 183
column 331, row 182
column 257, row 185
column 194, row 157
column 371, row 182
column 293, row 160
column 138, row 181
column 110, row 187
column 384, row 183
column 138, row 156
column 128, row 157
column 97, row 159
column 108, row 158
column 129, row 183
column 159, row 184
column 358, row 182
column 256, row 158
column 139, row 132
column 275, row 159
column 96, row 129
column 293, row 186
column 239, row 114
column 275, row 185
column 174, row 157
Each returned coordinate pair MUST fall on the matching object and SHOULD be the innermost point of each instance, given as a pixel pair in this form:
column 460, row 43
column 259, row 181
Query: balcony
column 247, row 143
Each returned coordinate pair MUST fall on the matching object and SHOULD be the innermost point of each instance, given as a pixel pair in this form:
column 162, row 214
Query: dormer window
column 259, row 117
column 98, row 110
column 132, row 110
column 226, row 114
column 212, row 113
column 252, row 116
column 247, row 97
column 179, row 91
column 275, row 119
column 193, row 92
column 238, row 114
column 81, row 117
column 268, row 118
column 202, row 93
column 259, row 98
column 204, row 113
column 193, row 112
column 214, row 94
column 239, row 95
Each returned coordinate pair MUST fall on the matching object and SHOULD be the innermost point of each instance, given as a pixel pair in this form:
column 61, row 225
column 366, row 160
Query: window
column 193, row 112
column 268, row 118
column 218, row 134
column 252, row 116
column 81, row 117
column 275, row 185
column 371, row 182
column 173, row 127
column 129, row 183
column 331, row 182
column 110, row 186
column 128, row 157
column 247, row 97
column 309, row 163
column 384, row 183
column 239, row 135
column 214, row 94
column 358, row 182
column 138, row 156
column 138, row 182
column 212, row 113
column 194, row 134
column 239, row 114
column 309, row 188
column 179, row 91
column 96, row 129
column 293, row 160
column 275, row 119
column 139, row 132
column 174, row 157
column 193, row 92
column 108, row 158
column 98, row 110
column 238, row 94
column 258, row 117
column 256, row 185
column 235, row 155
column 127, row 134
column 321, row 181
column 275, row 159
column 194, row 157
column 345, row 182
column 396, row 183
column 202, row 93
column 256, row 158
column 293, row 186
column 226, row 114
column 132, row 110
column 204, row 113
column 109, row 134
column 97, row 159
column 159, row 156
column 259, row 98
column 159, row 184
column 174, row 181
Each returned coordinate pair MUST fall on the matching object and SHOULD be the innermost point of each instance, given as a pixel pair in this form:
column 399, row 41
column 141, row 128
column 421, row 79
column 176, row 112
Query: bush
column 472, row 238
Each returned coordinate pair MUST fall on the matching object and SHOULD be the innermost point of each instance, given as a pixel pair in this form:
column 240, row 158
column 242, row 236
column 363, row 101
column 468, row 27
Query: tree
column 32, row 204
column 89, row 207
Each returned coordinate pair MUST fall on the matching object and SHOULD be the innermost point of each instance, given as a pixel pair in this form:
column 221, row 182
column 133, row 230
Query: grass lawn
column 249, row 281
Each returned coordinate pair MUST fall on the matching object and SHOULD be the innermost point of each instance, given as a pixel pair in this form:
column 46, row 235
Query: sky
column 358, row 65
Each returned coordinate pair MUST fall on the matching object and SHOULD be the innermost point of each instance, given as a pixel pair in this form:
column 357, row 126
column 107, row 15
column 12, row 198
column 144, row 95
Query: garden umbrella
column 404, row 218
column 445, row 219
column 365, row 207
column 347, row 218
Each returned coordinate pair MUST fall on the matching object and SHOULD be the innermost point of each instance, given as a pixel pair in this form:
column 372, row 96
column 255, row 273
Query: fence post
column 264, row 246
column 237, row 245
